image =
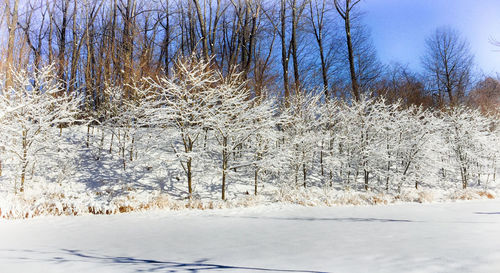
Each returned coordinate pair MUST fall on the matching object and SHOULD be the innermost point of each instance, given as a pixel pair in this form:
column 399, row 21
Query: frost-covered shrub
column 472, row 145
column 34, row 110
column 185, row 102
column 299, row 121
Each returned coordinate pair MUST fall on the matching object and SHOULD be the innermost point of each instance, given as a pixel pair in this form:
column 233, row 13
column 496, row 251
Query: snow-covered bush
column 234, row 119
column 301, row 126
column 263, row 143
column 471, row 142
column 408, row 152
column 184, row 102
column 34, row 110
column 360, row 140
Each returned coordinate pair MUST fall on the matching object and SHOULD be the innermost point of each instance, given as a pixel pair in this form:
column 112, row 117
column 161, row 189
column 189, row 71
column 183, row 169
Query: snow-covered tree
column 468, row 134
column 412, row 129
column 357, row 140
column 263, row 142
column 234, row 118
column 328, row 129
column 33, row 108
column 300, row 121
column 124, row 118
column 184, row 101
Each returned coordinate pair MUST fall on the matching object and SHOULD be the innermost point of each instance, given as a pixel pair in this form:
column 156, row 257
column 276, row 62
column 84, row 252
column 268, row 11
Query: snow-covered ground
column 459, row 236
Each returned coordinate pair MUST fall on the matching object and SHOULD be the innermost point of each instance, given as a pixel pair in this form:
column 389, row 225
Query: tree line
column 288, row 94
column 281, row 46
column 201, row 125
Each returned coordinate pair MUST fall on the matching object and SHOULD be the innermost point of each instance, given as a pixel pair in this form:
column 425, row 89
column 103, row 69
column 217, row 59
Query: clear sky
column 399, row 28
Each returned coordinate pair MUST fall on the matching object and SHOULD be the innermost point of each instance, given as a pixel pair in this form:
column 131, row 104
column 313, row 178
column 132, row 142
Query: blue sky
column 399, row 28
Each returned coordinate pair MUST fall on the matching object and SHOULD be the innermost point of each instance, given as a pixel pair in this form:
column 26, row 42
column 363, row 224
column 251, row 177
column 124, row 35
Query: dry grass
column 20, row 206
column 486, row 194
column 472, row 194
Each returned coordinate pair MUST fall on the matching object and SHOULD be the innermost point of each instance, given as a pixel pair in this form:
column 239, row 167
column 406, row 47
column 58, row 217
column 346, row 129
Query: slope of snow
column 448, row 237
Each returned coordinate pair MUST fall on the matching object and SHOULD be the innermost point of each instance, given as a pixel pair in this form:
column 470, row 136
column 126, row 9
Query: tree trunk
column 224, row 166
column 203, row 28
column 284, row 51
column 24, row 160
column 62, row 43
column 87, row 143
column 131, row 152
column 304, row 173
column 12, row 37
column 295, row 19
column 189, row 177
column 366, row 178
column 352, row 70
column 344, row 12
column 321, row 160
column 464, row 178
column 256, row 177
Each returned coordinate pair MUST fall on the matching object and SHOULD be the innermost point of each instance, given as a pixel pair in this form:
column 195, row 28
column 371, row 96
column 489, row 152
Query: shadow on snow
column 148, row 265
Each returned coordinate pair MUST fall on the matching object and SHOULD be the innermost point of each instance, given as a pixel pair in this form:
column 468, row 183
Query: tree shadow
column 146, row 265
column 172, row 266
column 337, row 219
column 487, row 213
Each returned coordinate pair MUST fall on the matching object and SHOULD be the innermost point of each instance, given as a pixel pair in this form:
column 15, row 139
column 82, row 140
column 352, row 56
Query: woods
column 95, row 44
column 202, row 125
column 249, row 135
column 287, row 94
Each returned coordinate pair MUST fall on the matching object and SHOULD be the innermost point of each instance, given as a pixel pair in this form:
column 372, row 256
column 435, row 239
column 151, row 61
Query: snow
column 460, row 236
column 184, row 143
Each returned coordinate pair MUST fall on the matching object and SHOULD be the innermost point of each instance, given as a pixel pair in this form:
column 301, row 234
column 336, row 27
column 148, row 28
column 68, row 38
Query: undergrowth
column 22, row 206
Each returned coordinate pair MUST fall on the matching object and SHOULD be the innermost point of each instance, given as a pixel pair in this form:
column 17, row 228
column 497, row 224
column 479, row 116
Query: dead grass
column 486, row 194
column 472, row 194
column 58, row 204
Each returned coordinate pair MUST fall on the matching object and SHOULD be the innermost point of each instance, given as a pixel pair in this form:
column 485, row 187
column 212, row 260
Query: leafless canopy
column 448, row 62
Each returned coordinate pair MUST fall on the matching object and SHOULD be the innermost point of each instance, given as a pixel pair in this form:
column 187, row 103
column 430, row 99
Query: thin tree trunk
column 350, row 51
column 12, row 37
column 224, row 165
column 295, row 19
column 24, row 160
column 344, row 12
column 366, row 178
column 189, row 176
column 111, row 143
column 256, row 177
column 203, row 28
column 284, row 52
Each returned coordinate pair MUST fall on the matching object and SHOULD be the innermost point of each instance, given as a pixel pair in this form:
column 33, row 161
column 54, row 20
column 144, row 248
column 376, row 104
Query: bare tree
column 486, row 95
column 61, row 29
column 448, row 62
column 297, row 10
column 401, row 84
column 128, row 12
column 33, row 34
column 344, row 9
column 367, row 66
column 317, row 16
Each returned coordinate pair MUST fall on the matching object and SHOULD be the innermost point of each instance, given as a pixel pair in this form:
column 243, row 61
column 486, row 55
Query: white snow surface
column 462, row 236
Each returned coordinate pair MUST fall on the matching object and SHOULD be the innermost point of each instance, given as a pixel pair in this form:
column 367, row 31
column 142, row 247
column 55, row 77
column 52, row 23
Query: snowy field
column 440, row 237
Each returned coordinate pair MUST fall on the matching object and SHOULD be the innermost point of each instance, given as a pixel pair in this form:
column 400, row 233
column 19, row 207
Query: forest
column 113, row 106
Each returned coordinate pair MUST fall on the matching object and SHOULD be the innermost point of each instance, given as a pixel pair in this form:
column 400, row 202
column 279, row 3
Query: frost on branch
column 34, row 111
